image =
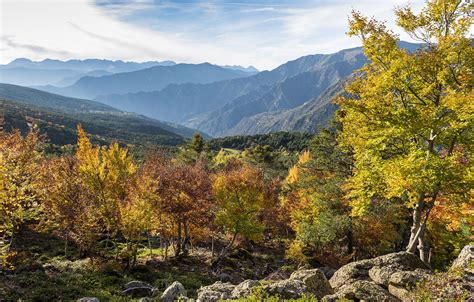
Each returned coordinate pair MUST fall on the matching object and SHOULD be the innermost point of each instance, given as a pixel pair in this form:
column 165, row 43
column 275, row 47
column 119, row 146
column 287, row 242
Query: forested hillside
column 57, row 117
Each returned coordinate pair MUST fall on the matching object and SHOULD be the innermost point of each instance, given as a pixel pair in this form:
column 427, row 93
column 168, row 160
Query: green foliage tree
column 195, row 149
column 408, row 116
column 240, row 198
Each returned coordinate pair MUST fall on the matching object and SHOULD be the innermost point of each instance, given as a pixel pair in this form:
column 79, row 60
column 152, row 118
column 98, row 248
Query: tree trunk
column 212, row 247
column 418, row 229
column 149, row 244
column 178, row 244
column 185, row 239
column 415, row 229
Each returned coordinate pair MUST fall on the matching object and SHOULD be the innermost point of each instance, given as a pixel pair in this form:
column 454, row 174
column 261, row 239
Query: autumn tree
column 19, row 162
column 85, row 195
column 106, row 172
column 68, row 205
column 314, row 199
column 408, row 115
column 184, row 199
column 239, row 195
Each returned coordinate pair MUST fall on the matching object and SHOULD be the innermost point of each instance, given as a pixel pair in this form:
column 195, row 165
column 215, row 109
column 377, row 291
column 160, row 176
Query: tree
column 20, row 159
column 85, row 195
column 184, row 198
column 314, row 199
column 106, row 171
column 408, row 115
column 69, row 205
column 196, row 148
column 240, row 198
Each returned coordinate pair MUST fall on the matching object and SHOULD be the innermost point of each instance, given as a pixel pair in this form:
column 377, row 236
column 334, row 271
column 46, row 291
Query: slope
column 21, row 103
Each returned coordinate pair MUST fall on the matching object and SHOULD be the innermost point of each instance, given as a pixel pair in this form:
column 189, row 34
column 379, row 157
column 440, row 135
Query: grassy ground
column 43, row 272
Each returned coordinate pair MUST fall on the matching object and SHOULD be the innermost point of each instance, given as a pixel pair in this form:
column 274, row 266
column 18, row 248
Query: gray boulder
column 402, row 283
column 328, row 271
column 380, row 268
column 139, row 289
column 315, row 281
column 244, row 289
column 381, row 274
column 286, row 289
column 362, row 291
column 215, row 292
column 173, row 292
column 88, row 299
column 465, row 258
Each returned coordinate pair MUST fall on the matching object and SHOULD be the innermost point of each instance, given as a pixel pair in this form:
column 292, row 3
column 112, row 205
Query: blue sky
column 262, row 33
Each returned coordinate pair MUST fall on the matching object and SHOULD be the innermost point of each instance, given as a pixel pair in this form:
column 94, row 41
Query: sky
column 261, row 33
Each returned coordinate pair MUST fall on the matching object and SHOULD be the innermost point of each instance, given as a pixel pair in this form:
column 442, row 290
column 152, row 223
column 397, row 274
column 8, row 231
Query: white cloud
column 268, row 35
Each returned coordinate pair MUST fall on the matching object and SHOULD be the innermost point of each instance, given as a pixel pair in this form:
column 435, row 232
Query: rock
column 139, row 289
column 173, row 292
column 381, row 274
column 224, row 277
column 351, row 273
column 327, row 271
column 146, row 299
column 286, row 289
column 278, row 275
column 388, row 264
column 88, row 299
column 215, row 292
column 401, row 283
column 465, row 257
column 315, row 281
column 409, row 278
column 362, row 291
column 244, row 289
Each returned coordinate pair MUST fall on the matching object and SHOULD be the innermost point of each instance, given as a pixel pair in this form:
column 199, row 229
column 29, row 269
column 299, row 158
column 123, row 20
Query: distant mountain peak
column 249, row 69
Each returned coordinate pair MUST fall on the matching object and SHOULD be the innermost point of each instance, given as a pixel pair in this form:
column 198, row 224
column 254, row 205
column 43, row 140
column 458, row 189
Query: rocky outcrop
column 286, row 289
column 465, row 258
column 300, row 283
column 215, row 292
column 401, row 284
column 174, row 291
column 386, row 278
column 139, row 289
column 315, row 282
column 244, row 289
column 380, row 269
column 362, row 291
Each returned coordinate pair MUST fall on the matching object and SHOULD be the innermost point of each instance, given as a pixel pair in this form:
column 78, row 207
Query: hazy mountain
column 85, row 65
column 63, row 73
column 308, row 117
column 249, row 69
column 67, row 81
column 186, row 102
column 219, row 107
column 287, row 94
column 64, row 112
column 31, row 77
column 149, row 79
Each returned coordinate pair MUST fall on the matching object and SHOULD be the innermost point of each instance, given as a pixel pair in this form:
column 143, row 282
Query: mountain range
column 227, row 107
column 228, row 100
column 149, row 79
